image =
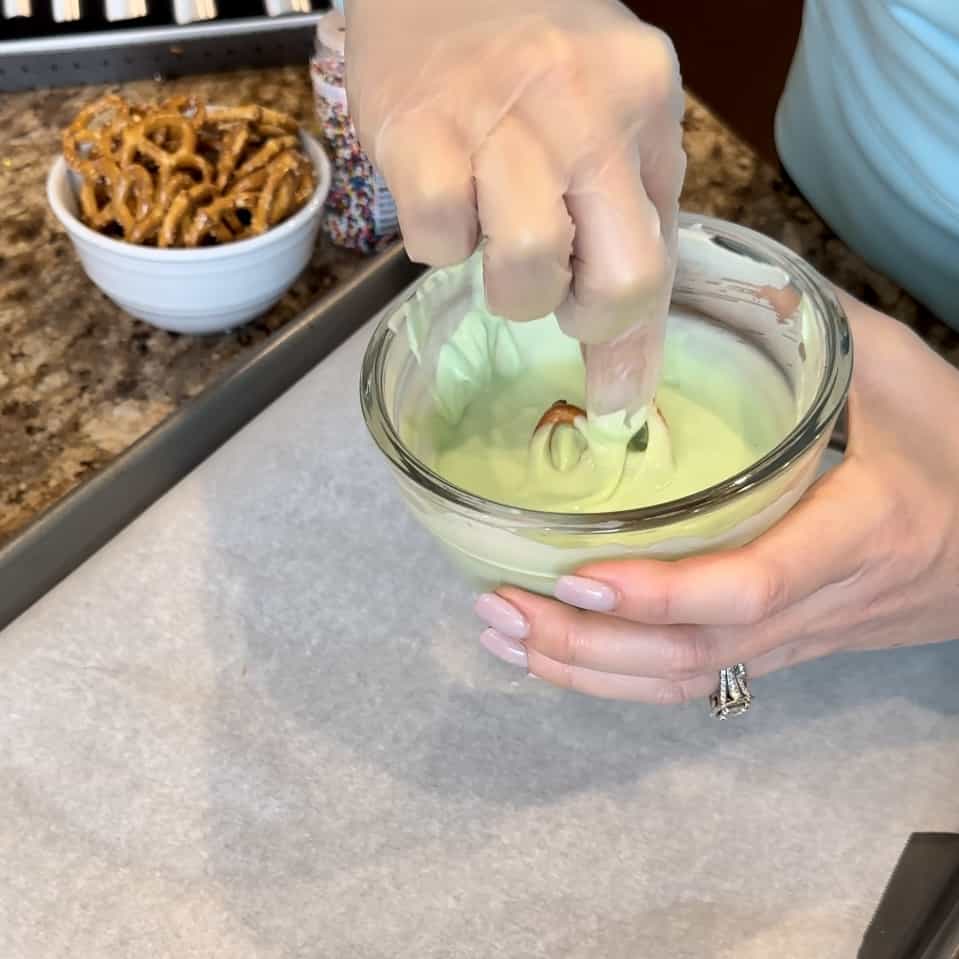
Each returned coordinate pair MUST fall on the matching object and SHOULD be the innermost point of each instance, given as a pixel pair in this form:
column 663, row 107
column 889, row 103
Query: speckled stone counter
column 80, row 381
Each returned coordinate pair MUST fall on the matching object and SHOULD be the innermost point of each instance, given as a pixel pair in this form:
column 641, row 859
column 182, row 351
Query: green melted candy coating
column 720, row 407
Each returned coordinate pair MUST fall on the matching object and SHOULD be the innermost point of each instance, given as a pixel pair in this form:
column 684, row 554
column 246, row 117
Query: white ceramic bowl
column 202, row 290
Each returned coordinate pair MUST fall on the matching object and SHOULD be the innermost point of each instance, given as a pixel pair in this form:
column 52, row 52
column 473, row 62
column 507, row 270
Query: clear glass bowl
column 751, row 286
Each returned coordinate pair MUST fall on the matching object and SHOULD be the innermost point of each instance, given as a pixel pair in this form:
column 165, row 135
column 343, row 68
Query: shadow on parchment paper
column 364, row 723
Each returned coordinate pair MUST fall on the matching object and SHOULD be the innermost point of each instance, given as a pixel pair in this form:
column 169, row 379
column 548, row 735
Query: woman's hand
column 551, row 128
column 868, row 559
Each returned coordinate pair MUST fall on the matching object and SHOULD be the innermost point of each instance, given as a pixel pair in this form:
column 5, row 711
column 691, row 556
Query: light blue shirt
column 868, row 128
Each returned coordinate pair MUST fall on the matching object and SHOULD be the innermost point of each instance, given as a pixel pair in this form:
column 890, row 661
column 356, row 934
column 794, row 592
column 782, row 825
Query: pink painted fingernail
column 504, row 647
column 586, row 594
column 504, row 617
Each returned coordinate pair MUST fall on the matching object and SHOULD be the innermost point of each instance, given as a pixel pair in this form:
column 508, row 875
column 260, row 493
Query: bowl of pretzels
column 191, row 217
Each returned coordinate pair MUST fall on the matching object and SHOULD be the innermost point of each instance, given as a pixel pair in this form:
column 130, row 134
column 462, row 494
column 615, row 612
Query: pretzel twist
column 234, row 143
column 88, row 136
column 180, row 174
column 132, row 196
column 256, row 115
column 268, row 152
column 176, row 223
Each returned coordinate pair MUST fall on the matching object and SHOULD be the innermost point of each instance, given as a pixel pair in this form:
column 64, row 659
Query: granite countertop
column 80, row 381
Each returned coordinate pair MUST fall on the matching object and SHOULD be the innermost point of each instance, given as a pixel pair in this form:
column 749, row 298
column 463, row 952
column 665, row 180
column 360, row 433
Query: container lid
column 331, row 32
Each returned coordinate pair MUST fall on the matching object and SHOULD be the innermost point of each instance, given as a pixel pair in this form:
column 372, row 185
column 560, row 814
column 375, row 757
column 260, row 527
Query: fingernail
column 504, row 647
column 586, row 594
column 504, row 617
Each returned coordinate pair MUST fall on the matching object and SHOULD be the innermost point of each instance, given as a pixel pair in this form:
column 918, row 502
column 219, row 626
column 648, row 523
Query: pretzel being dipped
column 181, row 174
column 559, row 414
column 562, row 413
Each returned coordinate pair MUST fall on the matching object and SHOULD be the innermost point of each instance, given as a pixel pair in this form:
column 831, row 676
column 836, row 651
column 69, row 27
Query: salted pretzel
column 269, row 151
column 251, row 183
column 234, row 143
column 89, row 135
column 181, row 174
column 100, row 179
column 306, row 186
column 175, row 224
column 219, row 217
column 277, row 196
column 168, row 142
column 168, row 189
column 188, row 106
column 272, row 122
column 147, row 229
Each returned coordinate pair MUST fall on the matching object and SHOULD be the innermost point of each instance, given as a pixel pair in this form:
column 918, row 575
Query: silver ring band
column 733, row 696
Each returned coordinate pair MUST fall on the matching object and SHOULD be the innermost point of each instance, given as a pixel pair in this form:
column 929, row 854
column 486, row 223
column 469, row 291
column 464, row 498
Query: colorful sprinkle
column 360, row 213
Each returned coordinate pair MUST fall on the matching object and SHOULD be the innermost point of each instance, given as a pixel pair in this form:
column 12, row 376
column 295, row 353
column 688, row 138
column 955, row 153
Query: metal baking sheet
column 68, row 533
column 116, row 56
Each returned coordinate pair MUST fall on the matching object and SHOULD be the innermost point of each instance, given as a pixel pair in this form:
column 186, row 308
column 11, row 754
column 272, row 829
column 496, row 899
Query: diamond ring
column 733, row 696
